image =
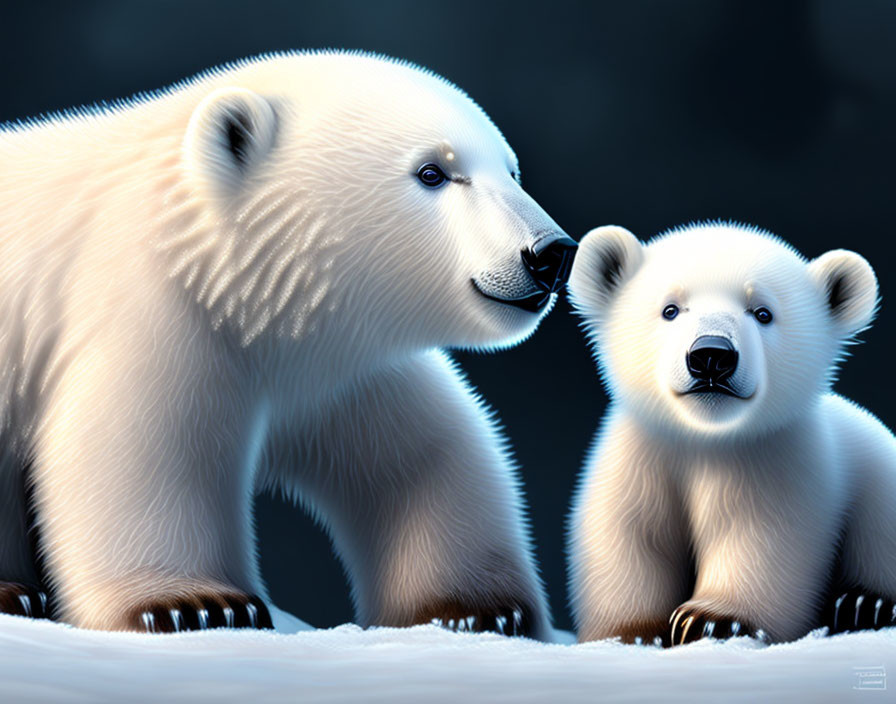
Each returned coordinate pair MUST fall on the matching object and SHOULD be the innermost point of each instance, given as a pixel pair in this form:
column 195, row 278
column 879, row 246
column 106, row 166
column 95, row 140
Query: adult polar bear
column 239, row 283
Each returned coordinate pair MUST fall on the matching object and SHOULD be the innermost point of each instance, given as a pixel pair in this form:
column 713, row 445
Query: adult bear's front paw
column 857, row 610
column 23, row 600
column 198, row 612
column 689, row 623
column 508, row 618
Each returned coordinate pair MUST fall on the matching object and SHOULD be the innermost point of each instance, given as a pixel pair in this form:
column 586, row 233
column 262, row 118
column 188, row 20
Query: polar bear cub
column 242, row 283
column 728, row 489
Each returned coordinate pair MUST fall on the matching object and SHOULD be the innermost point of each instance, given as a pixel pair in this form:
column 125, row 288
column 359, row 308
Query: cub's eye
column 431, row 175
column 670, row 312
column 763, row 315
column 515, row 175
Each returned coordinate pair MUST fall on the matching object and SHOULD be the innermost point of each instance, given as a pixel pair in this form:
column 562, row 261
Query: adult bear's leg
column 414, row 483
column 142, row 488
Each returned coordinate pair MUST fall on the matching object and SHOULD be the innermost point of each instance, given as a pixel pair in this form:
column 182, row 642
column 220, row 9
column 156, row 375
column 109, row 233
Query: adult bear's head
column 354, row 196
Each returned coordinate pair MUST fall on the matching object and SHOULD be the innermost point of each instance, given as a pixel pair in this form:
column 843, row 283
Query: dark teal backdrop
column 642, row 113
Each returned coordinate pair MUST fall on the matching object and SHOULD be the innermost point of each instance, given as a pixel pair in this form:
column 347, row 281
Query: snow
column 42, row 661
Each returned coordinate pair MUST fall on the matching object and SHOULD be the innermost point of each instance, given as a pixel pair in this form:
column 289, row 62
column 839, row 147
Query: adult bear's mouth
column 532, row 302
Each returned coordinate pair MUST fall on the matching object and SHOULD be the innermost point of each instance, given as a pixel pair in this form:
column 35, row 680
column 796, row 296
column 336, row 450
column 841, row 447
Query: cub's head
column 717, row 328
column 373, row 194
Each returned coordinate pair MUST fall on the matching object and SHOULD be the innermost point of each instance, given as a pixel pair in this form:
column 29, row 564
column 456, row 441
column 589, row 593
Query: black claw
column 240, row 614
column 262, row 614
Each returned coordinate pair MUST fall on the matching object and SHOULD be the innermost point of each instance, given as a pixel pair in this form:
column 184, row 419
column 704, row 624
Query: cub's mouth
column 719, row 388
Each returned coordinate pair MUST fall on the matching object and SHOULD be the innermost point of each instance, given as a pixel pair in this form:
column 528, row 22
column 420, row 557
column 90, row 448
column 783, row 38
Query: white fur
column 762, row 490
column 180, row 325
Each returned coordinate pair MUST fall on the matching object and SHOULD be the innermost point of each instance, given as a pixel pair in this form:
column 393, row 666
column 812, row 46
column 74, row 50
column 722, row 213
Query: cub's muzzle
column 712, row 361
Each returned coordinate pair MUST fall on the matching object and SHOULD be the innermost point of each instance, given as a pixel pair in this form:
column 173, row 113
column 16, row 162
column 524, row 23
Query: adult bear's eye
column 670, row 311
column 763, row 315
column 431, row 175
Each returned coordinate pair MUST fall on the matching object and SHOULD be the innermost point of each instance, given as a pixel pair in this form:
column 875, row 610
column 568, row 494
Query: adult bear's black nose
column 549, row 260
column 712, row 359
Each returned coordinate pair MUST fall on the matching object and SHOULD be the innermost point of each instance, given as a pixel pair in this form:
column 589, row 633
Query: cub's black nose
column 711, row 358
column 549, row 260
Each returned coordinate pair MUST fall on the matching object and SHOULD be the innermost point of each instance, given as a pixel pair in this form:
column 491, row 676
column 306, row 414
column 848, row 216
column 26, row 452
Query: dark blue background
column 641, row 113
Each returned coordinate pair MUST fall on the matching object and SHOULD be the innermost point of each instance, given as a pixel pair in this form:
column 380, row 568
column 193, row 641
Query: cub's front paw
column 689, row 623
column 858, row 610
column 23, row 600
column 508, row 619
column 198, row 612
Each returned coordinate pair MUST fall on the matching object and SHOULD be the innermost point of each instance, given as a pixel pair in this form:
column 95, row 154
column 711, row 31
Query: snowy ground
column 48, row 662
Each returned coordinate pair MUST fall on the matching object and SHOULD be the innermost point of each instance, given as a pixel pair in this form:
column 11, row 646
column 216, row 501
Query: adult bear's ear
column 849, row 286
column 607, row 256
column 230, row 133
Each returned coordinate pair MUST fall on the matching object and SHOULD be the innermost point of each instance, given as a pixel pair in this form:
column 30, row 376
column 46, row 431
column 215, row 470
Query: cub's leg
column 413, row 482
column 143, row 492
column 864, row 590
column 629, row 557
column 21, row 591
column 764, row 543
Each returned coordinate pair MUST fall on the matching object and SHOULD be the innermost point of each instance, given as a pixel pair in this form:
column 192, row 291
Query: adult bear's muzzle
column 549, row 260
column 546, row 264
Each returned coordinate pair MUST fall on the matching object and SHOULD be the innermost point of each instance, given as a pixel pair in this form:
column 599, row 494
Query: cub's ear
column 607, row 256
column 229, row 135
column 849, row 287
